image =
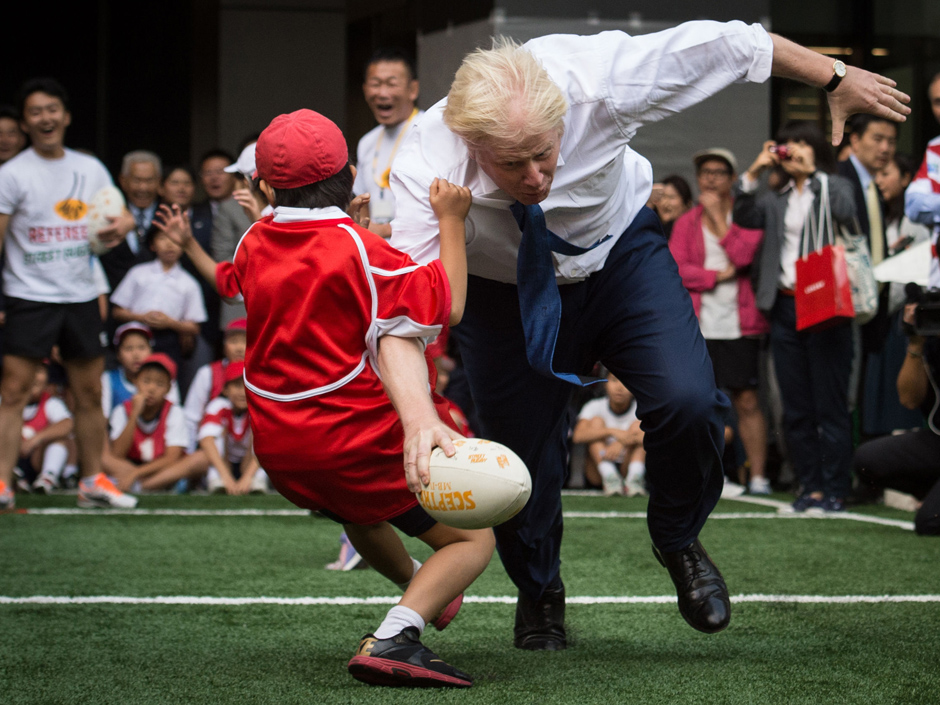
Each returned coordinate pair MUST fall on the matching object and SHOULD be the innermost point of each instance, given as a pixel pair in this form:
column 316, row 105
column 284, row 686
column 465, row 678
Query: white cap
column 245, row 164
column 716, row 153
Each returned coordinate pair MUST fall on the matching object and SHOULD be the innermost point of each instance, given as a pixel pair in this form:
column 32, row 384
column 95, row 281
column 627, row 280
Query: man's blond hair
column 501, row 96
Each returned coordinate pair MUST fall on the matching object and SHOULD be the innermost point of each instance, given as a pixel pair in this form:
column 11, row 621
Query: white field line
column 71, row 511
column 502, row 600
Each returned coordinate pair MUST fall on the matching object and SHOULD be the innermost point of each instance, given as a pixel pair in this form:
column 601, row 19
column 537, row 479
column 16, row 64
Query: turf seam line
column 70, row 511
column 479, row 599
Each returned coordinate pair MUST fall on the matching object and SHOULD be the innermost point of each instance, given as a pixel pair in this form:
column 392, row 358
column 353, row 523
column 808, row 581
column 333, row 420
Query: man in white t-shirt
column 48, row 280
column 390, row 89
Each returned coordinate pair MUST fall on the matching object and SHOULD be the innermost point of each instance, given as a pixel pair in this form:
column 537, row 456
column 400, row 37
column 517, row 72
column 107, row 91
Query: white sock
column 404, row 585
column 636, row 471
column 396, row 620
column 607, row 469
column 54, row 459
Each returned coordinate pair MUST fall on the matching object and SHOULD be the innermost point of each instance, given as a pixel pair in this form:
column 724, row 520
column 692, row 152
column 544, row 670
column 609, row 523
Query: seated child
column 209, row 379
column 45, row 446
column 163, row 295
column 132, row 342
column 225, row 437
column 615, row 442
column 331, row 307
column 148, row 431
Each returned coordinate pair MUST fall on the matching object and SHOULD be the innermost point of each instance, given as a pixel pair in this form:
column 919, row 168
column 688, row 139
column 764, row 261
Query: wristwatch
column 838, row 73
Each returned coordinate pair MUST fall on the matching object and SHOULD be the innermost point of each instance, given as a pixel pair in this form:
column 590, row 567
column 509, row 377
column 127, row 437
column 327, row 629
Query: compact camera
column 782, row 151
column 927, row 313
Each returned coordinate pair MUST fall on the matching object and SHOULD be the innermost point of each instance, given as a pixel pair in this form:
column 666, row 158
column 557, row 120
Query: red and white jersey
column 47, row 411
column 206, row 386
column 151, row 438
column 927, row 182
column 319, row 292
column 221, row 422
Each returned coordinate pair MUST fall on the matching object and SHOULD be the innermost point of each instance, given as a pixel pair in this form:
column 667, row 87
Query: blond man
column 540, row 133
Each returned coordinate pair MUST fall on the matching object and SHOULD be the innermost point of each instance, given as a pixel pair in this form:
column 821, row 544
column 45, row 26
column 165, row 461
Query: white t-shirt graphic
column 47, row 255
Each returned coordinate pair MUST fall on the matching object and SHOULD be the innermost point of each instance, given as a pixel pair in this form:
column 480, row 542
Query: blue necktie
column 539, row 300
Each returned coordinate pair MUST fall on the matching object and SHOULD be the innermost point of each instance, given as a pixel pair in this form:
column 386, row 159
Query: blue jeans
column 637, row 319
column 813, row 372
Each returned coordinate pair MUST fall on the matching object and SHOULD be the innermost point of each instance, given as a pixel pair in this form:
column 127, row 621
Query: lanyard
column 382, row 181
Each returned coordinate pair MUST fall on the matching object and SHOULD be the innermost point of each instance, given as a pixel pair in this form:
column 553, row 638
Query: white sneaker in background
column 759, row 485
column 613, row 485
column 731, row 489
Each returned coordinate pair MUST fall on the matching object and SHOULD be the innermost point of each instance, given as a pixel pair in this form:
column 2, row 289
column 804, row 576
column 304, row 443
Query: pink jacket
column 687, row 245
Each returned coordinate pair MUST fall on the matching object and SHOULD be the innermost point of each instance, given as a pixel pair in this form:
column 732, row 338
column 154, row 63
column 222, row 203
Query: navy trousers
column 637, row 319
column 813, row 373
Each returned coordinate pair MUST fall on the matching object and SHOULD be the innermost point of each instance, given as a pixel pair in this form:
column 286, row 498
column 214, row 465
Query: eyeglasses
column 713, row 172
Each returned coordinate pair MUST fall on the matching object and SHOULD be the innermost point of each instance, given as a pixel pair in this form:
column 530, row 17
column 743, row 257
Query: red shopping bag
column 823, row 292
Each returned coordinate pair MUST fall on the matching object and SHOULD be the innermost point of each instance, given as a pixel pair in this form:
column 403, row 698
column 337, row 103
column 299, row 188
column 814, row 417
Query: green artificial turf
column 619, row 653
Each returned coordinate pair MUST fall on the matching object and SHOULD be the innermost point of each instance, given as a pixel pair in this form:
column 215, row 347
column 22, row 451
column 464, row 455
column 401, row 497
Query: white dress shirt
column 148, row 287
column 614, row 84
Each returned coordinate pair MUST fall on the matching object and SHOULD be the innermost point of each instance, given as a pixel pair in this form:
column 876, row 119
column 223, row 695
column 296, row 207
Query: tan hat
column 716, row 153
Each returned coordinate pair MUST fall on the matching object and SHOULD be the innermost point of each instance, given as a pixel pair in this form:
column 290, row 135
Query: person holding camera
column 910, row 462
column 812, row 366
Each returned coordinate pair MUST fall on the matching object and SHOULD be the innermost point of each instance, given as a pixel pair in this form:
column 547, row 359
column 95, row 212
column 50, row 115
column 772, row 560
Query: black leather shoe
column 540, row 624
column 703, row 595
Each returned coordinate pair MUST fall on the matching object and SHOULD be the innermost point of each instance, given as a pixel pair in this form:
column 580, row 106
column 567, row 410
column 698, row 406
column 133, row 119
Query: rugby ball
column 483, row 485
column 107, row 203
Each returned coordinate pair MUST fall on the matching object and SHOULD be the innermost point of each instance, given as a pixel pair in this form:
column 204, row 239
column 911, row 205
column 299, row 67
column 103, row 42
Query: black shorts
column 33, row 327
column 412, row 522
column 735, row 362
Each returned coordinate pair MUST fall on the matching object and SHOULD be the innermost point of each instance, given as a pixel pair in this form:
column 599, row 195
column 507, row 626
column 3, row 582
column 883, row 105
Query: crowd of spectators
column 173, row 392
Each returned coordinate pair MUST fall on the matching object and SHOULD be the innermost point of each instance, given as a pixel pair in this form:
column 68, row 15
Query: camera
column 782, row 151
column 927, row 313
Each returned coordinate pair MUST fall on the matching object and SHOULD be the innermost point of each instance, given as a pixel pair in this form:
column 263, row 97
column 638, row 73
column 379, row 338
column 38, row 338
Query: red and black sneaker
column 403, row 661
column 448, row 613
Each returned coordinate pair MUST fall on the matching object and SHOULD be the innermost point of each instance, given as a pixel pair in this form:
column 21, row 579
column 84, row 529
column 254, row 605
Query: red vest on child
column 148, row 446
column 40, row 420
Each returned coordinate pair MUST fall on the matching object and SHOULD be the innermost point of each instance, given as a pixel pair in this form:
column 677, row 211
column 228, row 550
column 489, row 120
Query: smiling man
column 52, row 297
column 390, row 89
column 540, row 134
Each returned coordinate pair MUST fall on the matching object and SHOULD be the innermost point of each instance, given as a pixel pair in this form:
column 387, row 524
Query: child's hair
column 333, row 191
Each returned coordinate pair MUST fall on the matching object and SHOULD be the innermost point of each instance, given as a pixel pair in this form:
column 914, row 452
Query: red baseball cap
column 233, row 371
column 300, row 148
column 163, row 360
column 239, row 325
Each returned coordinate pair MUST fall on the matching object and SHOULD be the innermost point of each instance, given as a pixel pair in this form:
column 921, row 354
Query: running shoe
column 613, row 485
column 98, row 492
column 806, row 502
column 759, row 485
column 7, row 498
column 349, row 558
column 403, row 660
column 45, row 483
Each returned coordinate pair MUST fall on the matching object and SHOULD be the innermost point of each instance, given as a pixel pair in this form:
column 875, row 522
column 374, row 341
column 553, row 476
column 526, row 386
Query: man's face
column 934, row 94
column 875, row 147
column 524, row 171
column 217, row 183
column 141, row 183
column 12, row 139
column 45, row 120
column 715, row 175
column 390, row 92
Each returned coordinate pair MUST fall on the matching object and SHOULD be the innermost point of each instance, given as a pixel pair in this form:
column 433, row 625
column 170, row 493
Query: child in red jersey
column 148, row 431
column 334, row 312
column 45, row 446
column 210, row 378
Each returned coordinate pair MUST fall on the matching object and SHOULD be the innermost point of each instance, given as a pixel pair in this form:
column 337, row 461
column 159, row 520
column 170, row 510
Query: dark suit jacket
column 875, row 331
